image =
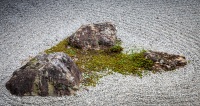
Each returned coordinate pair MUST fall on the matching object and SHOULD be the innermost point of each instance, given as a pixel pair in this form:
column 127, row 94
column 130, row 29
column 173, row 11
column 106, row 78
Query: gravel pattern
column 28, row 27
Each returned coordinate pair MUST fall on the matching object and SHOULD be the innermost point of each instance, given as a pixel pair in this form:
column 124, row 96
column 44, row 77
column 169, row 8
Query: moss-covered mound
column 95, row 64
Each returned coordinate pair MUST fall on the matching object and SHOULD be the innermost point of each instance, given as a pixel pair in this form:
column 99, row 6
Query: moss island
column 96, row 64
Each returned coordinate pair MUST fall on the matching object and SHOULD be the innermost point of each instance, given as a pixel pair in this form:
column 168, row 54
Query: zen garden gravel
column 28, row 27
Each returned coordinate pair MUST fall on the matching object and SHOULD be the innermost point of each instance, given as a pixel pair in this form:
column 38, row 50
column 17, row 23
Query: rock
column 94, row 36
column 164, row 61
column 46, row 75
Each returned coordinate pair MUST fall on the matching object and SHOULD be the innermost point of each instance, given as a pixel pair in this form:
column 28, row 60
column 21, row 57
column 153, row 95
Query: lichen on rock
column 165, row 61
column 52, row 74
column 94, row 36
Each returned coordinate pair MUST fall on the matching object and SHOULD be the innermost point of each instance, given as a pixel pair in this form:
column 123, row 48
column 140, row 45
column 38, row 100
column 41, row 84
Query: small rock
column 46, row 75
column 94, row 36
column 164, row 61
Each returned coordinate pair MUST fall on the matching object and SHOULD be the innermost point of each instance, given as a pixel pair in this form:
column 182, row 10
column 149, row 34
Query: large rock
column 94, row 36
column 165, row 61
column 46, row 75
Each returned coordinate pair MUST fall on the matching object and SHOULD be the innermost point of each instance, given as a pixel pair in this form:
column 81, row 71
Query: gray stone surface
column 53, row 74
column 172, row 26
column 165, row 61
column 94, row 36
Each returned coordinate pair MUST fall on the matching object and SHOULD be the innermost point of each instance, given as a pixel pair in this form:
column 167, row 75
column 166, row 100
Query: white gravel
column 28, row 27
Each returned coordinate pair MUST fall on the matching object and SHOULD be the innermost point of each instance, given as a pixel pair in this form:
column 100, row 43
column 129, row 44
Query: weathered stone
column 164, row 61
column 94, row 36
column 46, row 75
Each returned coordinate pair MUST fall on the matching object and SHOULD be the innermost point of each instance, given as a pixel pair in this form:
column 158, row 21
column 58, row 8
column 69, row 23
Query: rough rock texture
column 46, row 75
column 94, row 36
column 164, row 61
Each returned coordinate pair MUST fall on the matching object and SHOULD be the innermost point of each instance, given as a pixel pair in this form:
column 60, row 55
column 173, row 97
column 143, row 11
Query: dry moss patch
column 95, row 64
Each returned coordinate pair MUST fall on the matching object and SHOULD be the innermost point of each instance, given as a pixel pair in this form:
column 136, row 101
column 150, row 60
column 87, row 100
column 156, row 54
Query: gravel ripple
column 28, row 27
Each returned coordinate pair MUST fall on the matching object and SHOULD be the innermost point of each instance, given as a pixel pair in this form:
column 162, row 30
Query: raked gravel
column 28, row 27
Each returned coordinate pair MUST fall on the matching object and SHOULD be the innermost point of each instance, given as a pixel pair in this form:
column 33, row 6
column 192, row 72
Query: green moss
column 33, row 60
column 141, row 61
column 63, row 47
column 95, row 64
column 115, row 49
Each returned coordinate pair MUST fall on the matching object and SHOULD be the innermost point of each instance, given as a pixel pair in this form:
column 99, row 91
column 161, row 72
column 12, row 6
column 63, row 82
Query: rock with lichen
column 94, row 36
column 165, row 61
column 46, row 75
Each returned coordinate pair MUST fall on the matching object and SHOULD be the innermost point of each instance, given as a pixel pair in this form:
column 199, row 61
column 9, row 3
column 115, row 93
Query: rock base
column 165, row 61
column 46, row 75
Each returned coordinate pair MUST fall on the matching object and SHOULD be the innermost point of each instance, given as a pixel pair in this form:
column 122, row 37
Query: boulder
column 46, row 75
column 94, row 36
column 165, row 61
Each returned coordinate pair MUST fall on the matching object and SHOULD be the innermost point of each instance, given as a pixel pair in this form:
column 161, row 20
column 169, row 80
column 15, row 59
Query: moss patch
column 95, row 64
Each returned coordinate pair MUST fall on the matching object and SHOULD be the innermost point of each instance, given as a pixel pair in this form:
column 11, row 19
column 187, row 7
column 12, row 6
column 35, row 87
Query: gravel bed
column 28, row 27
